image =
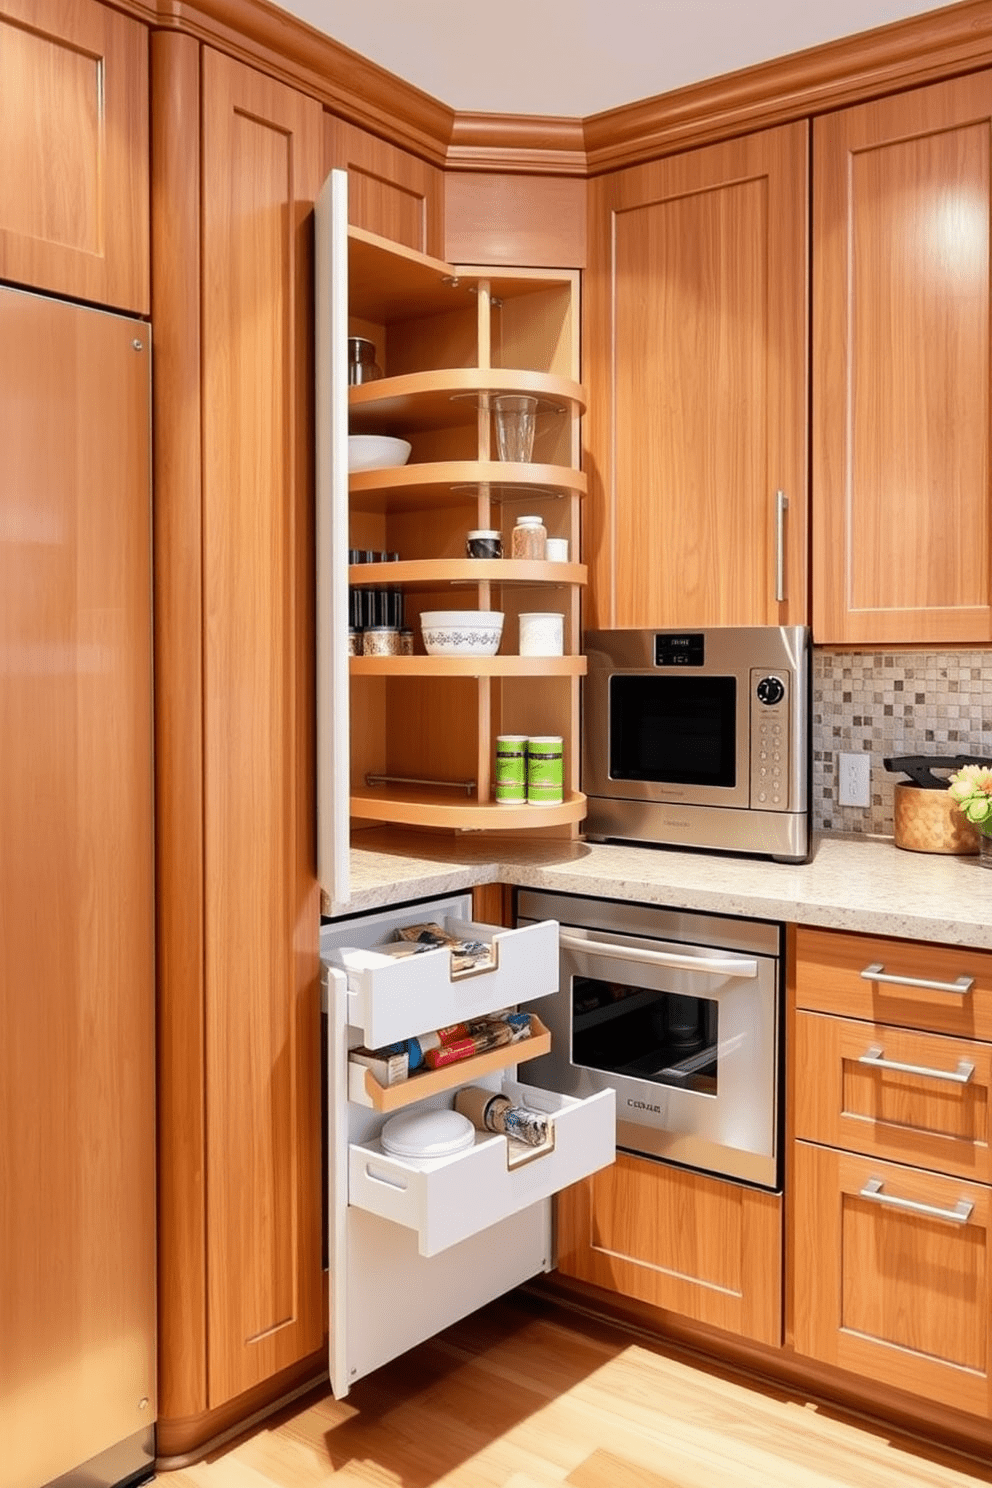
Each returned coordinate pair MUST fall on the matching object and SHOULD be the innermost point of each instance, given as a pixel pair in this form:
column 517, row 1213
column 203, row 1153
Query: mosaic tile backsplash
column 890, row 703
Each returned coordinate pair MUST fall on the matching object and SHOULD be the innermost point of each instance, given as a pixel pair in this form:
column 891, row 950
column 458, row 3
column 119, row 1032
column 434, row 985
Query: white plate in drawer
column 390, row 999
column 448, row 1199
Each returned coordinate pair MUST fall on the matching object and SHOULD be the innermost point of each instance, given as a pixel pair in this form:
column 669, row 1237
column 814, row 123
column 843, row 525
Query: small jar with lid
column 529, row 538
column 362, row 365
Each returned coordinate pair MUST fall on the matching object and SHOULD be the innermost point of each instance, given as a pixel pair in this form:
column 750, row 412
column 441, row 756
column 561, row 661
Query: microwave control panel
column 770, row 739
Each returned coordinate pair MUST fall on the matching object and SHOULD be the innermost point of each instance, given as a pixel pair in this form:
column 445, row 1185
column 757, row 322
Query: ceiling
column 572, row 58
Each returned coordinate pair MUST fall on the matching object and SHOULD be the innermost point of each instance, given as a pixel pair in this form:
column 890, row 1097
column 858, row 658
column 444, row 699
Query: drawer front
column 392, row 999
column 933, row 1113
column 692, row 1244
column 878, row 979
column 891, row 1275
column 450, row 1199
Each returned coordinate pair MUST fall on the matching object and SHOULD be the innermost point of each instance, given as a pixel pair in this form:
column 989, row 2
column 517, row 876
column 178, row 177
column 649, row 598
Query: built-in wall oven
column 679, row 1013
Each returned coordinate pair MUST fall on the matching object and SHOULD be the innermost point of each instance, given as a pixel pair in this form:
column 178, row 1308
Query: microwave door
column 686, row 1036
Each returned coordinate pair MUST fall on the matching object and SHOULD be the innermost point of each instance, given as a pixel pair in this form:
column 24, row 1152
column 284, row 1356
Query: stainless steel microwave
column 699, row 738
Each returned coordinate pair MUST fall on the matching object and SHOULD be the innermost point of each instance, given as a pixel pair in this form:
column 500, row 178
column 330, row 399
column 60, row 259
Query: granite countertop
column 864, row 884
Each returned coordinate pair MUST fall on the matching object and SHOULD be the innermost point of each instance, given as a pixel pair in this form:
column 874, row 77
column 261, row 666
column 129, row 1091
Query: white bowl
column 376, row 451
column 461, row 632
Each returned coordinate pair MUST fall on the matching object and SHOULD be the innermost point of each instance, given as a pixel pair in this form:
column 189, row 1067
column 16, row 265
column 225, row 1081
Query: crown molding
column 921, row 49
column 905, row 54
column 517, row 142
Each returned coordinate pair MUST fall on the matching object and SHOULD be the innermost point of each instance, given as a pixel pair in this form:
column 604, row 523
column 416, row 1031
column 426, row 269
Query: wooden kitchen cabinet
column 695, row 355
column 74, row 126
column 902, row 315
column 704, row 1248
column 239, row 1019
column 889, row 1196
column 391, row 193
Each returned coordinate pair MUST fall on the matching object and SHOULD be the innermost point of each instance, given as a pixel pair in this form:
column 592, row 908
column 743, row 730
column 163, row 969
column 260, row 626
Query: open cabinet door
column 331, row 360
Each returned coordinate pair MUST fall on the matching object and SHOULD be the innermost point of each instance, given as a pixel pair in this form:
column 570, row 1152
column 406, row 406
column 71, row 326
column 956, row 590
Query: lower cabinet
column 892, row 1275
column 703, row 1247
column 417, row 1242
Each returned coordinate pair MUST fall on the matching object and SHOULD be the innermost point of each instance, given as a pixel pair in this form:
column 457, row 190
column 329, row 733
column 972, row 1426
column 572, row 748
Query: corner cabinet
column 409, row 739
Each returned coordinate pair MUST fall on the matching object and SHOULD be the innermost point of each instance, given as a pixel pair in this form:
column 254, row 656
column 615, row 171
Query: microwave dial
column 770, row 690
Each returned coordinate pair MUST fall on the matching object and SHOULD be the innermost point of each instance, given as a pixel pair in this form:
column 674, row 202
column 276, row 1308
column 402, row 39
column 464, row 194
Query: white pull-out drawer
column 450, row 1198
column 390, row 999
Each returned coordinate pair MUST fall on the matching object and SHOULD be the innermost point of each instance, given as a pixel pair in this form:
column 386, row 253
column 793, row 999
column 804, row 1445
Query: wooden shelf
column 412, row 487
column 430, row 807
column 443, row 400
column 428, row 573
column 434, row 1082
column 468, row 666
column 389, row 282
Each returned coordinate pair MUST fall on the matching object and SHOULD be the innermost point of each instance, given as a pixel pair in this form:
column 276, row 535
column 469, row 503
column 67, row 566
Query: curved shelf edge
column 467, row 666
column 443, row 479
column 437, row 809
column 417, row 400
column 429, row 572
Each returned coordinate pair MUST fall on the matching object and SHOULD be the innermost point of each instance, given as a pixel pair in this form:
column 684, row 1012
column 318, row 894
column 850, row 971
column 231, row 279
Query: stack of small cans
column 529, row 770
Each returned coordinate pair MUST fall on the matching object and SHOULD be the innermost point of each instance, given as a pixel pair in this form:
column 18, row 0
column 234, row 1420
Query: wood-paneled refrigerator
column 77, row 1159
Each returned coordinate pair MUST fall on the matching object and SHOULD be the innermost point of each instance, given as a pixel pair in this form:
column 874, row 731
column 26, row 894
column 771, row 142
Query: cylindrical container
column 406, row 642
column 556, row 550
column 542, row 634
column 354, row 642
column 930, row 821
column 510, row 782
column 528, row 538
column 362, row 365
column 485, row 542
column 545, row 770
column 492, row 1111
column 381, row 640
column 394, row 608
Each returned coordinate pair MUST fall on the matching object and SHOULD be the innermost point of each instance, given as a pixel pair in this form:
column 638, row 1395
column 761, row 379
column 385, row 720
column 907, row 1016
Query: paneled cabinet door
column 707, row 1249
column 74, row 164
column 390, row 192
column 695, row 355
column 902, row 464
column 261, row 173
column 891, row 1274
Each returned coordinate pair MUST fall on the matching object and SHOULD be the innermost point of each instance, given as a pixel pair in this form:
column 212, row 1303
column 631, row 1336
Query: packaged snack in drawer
column 466, row 955
column 389, row 1066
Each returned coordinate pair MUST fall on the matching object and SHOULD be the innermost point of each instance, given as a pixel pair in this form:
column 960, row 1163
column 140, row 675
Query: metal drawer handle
column 960, row 1214
column 877, row 973
column 740, row 966
column 876, row 1056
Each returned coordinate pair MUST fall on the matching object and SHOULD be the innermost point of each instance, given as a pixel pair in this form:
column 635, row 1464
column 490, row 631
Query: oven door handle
column 739, row 966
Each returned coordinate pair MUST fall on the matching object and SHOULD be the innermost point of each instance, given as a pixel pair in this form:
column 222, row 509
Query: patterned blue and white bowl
column 461, row 632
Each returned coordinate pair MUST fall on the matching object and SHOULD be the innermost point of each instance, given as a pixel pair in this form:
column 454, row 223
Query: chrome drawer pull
column 960, row 1214
column 781, row 507
column 876, row 973
column 876, row 1056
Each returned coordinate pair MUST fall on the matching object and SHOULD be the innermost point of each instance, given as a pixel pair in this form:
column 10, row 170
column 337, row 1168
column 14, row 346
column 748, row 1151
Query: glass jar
column 362, row 366
column 529, row 538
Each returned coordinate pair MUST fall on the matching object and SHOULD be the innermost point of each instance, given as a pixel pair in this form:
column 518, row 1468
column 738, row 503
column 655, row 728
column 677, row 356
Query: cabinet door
column 901, row 343
column 74, row 125
column 891, row 1275
column 390, row 192
column 695, row 354
column 692, row 1244
column 261, row 171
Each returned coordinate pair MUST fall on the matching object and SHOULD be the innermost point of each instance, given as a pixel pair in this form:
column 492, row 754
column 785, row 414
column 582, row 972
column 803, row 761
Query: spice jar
column 529, row 538
column 484, row 542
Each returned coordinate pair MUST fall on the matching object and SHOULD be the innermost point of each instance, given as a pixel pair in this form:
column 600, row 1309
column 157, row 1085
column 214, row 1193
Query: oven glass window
column 674, row 729
column 663, row 1037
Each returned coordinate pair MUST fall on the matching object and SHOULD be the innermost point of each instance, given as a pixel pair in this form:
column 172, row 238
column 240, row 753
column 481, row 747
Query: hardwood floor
column 522, row 1396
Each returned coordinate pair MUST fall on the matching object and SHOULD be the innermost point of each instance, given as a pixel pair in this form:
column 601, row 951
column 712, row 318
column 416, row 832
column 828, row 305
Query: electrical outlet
column 854, row 779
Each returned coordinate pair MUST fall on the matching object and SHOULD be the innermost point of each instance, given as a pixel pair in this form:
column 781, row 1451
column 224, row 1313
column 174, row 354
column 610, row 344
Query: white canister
column 542, row 634
column 556, row 550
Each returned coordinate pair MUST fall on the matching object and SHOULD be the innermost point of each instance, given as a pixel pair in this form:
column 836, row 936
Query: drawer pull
column 877, row 973
column 960, row 1214
column 875, row 1056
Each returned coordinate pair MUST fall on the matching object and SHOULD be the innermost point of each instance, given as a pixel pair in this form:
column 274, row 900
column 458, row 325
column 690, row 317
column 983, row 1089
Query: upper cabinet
column 390, row 192
column 74, row 126
column 450, row 341
column 902, row 520
column 696, row 356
